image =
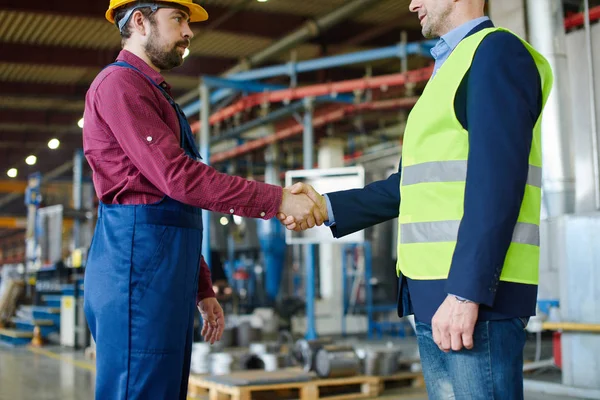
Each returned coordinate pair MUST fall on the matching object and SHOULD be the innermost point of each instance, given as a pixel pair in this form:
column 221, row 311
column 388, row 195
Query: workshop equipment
column 337, row 362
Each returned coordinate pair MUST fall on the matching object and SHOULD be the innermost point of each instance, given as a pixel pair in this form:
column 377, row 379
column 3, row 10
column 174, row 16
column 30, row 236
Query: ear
column 139, row 22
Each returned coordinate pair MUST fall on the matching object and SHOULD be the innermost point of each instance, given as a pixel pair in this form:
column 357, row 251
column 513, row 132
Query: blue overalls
column 141, row 282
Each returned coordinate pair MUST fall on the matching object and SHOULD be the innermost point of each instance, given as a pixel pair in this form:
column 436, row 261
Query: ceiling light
column 262, row 1
column 53, row 144
column 80, row 123
column 237, row 219
column 186, row 52
column 224, row 221
column 12, row 173
column 31, row 160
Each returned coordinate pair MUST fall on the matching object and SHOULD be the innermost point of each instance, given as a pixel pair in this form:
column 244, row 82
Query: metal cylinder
column 200, row 362
column 273, row 362
column 246, row 334
column 223, row 363
column 250, row 362
column 381, row 362
column 337, row 362
column 306, row 350
column 260, row 348
column 227, row 339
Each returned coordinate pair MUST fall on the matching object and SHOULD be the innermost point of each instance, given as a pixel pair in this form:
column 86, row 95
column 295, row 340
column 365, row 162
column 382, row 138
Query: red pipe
column 576, row 20
column 320, row 119
column 322, row 89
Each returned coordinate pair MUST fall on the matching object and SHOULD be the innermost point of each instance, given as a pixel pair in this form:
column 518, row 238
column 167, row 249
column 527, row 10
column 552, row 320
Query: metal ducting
column 547, row 35
column 311, row 29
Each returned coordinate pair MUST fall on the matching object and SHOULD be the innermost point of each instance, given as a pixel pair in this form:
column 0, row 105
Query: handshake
column 302, row 208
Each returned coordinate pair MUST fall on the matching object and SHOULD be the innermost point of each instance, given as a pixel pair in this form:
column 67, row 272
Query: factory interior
column 284, row 91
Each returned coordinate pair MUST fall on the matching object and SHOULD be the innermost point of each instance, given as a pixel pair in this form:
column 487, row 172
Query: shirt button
column 231, row 211
column 149, row 138
column 262, row 214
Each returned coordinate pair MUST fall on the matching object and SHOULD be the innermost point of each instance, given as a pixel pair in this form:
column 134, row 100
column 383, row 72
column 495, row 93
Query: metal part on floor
column 381, row 362
column 305, row 351
column 337, row 361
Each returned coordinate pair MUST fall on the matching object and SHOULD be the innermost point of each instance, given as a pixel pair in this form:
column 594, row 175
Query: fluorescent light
column 186, row 52
column 53, row 144
column 80, row 123
column 224, row 221
column 31, row 160
column 262, row 1
column 12, row 173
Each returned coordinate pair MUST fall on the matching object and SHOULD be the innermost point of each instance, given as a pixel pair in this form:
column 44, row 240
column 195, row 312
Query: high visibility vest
column 434, row 170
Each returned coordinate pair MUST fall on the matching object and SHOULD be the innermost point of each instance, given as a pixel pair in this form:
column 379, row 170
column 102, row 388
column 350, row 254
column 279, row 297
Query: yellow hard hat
column 197, row 13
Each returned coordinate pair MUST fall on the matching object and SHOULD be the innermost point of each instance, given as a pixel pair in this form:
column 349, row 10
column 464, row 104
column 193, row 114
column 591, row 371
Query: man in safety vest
column 467, row 196
column 145, row 275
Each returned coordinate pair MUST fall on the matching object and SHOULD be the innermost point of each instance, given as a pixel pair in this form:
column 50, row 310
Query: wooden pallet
column 358, row 387
column 414, row 379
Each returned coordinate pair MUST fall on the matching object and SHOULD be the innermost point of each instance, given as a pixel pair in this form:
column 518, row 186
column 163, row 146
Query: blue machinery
column 271, row 239
column 357, row 275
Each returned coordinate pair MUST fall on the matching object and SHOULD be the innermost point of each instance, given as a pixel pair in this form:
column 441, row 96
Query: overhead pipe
column 329, row 116
column 396, row 51
column 311, row 29
column 322, row 89
column 578, row 19
column 272, row 117
column 276, row 115
column 547, row 34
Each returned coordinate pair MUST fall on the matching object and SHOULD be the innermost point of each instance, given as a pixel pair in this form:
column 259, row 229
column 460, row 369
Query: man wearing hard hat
column 145, row 274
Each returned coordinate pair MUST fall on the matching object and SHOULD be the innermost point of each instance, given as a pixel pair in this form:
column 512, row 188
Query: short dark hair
column 120, row 13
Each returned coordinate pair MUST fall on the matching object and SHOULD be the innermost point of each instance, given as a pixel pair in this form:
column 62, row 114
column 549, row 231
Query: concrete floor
column 54, row 373
column 51, row 373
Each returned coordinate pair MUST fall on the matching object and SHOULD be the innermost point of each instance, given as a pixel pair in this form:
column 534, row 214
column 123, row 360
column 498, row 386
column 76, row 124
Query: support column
column 509, row 14
column 547, row 35
column 331, row 155
column 309, row 252
column 204, row 143
column 77, row 195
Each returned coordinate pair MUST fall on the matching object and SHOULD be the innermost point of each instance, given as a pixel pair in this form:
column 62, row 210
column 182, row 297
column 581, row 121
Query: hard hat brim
column 197, row 12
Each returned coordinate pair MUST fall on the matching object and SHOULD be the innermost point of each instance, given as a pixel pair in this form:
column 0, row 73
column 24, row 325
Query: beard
column 163, row 57
column 437, row 23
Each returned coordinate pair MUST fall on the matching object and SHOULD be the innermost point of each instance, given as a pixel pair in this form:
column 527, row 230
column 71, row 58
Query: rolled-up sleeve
column 136, row 122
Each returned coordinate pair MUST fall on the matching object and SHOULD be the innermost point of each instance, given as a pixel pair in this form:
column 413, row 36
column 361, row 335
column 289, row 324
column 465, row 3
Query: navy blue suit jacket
column 498, row 102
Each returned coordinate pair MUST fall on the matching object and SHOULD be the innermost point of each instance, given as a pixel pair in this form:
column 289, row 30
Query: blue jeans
column 492, row 369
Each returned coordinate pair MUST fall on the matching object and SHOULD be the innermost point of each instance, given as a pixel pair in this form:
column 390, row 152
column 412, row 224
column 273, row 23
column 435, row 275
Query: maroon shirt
column 131, row 139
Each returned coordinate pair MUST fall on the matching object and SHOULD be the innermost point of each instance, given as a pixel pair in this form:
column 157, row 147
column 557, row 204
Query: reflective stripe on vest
column 452, row 171
column 447, row 231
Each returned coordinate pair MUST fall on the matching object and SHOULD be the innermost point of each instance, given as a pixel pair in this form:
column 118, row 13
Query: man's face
column 433, row 15
column 169, row 36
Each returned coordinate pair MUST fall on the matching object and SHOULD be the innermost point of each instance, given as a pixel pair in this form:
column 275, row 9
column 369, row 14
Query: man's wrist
column 461, row 300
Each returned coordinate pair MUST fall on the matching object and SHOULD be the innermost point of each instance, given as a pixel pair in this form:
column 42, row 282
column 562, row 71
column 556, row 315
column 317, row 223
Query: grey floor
column 51, row 374
column 55, row 373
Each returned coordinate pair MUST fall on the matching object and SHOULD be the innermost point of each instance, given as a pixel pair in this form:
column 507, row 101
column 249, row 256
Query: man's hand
column 299, row 206
column 292, row 223
column 453, row 324
column 213, row 319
